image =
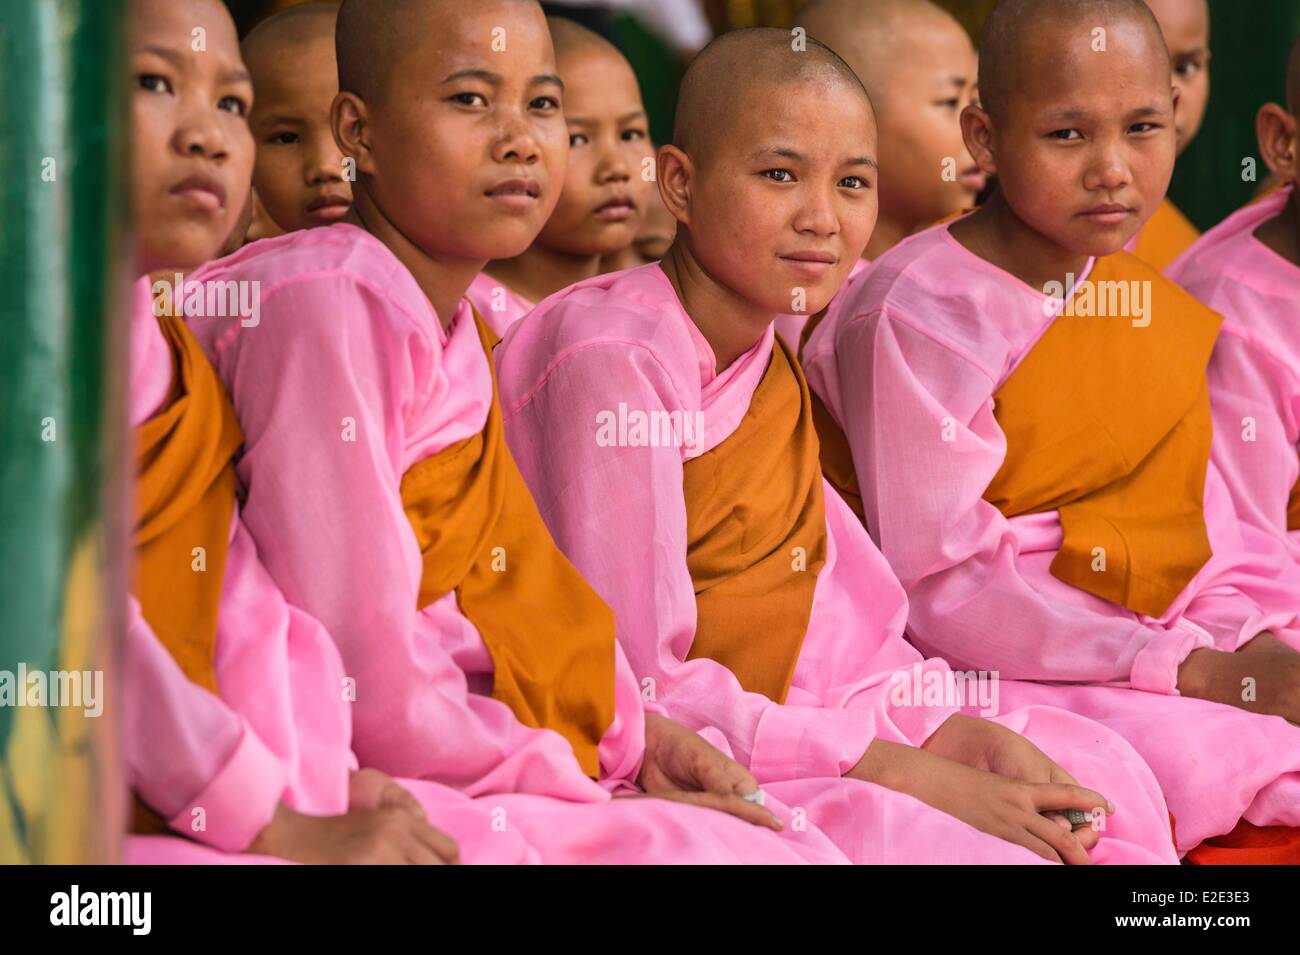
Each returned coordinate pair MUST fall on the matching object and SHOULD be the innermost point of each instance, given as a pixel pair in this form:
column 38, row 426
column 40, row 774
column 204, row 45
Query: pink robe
column 279, row 731
column 497, row 303
column 1255, row 371
column 623, row 341
column 790, row 327
column 907, row 364
column 346, row 381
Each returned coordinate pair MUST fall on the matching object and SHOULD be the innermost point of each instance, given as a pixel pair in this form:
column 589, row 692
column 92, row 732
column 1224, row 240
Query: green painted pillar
column 63, row 260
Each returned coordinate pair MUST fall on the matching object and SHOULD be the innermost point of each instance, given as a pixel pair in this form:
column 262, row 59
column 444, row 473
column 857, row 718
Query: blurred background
column 1249, row 40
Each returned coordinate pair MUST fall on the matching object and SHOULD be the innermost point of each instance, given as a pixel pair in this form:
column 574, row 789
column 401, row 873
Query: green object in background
column 62, row 342
column 658, row 72
column 1249, row 43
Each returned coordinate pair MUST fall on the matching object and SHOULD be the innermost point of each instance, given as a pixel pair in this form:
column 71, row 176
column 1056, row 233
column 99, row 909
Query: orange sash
column 1293, row 509
column 1165, row 237
column 480, row 534
column 756, row 534
column 185, row 487
column 1109, row 424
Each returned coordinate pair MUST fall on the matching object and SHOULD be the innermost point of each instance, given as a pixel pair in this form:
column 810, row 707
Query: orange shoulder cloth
column 1109, row 423
column 756, row 534
column 1165, row 237
column 480, row 534
column 185, row 488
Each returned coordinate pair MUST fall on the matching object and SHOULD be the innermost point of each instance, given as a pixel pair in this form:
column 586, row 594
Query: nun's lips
column 1108, row 213
column 330, row 207
column 618, row 209
column 811, row 263
column 517, row 193
column 204, row 191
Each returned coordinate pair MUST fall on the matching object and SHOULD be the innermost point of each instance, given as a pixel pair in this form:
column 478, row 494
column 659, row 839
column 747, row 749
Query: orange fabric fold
column 185, row 489
column 185, row 500
column 480, row 534
column 1293, row 509
column 1166, row 236
column 1109, row 424
column 1250, row 845
column 756, row 534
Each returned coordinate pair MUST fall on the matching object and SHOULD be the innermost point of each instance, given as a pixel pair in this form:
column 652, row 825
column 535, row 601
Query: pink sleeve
column 185, row 749
column 619, row 514
column 324, row 388
column 919, row 418
column 1254, row 431
column 1251, row 584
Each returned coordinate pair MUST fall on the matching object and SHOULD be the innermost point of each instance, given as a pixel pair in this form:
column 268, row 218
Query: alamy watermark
column 61, row 688
column 74, row 907
column 211, row 298
column 1119, row 299
column 634, row 428
column 919, row 686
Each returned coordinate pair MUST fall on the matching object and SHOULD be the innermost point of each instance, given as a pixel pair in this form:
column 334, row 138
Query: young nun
column 1248, row 269
column 666, row 435
column 1185, row 25
column 236, row 730
column 382, row 495
column 605, row 194
column 918, row 66
column 299, row 177
column 1037, row 470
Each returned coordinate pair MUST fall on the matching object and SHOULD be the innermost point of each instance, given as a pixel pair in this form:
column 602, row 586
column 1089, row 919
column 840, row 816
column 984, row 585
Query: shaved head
column 1016, row 25
column 740, row 63
column 1293, row 79
column 373, row 35
column 874, row 36
column 290, row 27
column 569, row 37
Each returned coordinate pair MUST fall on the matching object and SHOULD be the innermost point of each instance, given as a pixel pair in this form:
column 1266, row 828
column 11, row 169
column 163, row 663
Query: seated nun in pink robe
column 937, row 368
column 236, row 732
column 360, row 406
column 1248, row 270
column 667, row 437
column 270, row 754
column 606, row 193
